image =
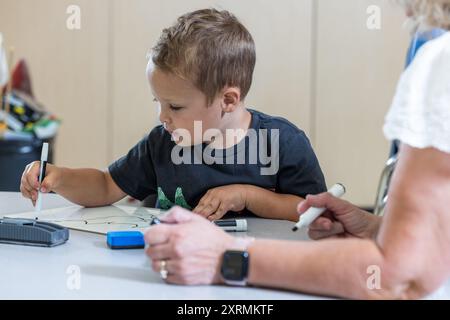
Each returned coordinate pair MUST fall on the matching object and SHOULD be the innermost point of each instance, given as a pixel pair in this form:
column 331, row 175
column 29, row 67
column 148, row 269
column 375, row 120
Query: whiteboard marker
column 43, row 164
column 313, row 213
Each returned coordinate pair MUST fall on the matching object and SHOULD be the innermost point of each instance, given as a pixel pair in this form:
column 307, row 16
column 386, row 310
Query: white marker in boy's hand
column 313, row 213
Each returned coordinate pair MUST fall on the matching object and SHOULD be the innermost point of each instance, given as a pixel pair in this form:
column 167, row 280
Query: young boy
column 211, row 155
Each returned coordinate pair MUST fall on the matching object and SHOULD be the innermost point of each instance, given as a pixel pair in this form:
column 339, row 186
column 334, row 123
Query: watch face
column 235, row 265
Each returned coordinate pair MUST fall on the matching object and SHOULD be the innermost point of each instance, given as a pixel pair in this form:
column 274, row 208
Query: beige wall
column 69, row 70
column 357, row 71
column 317, row 65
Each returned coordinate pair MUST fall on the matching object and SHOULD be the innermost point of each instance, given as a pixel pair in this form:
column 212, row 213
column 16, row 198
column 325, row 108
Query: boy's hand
column 218, row 201
column 29, row 184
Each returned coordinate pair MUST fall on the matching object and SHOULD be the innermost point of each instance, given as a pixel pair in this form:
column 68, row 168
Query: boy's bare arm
column 237, row 197
column 89, row 187
column 269, row 204
column 86, row 187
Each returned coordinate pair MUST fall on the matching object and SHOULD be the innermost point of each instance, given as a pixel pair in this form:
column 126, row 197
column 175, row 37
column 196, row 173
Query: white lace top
column 420, row 113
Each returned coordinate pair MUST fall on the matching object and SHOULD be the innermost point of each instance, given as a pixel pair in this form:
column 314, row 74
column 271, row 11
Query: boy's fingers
column 24, row 181
column 198, row 208
column 205, row 212
column 32, row 177
column 210, row 208
column 47, row 184
column 205, row 199
column 218, row 214
column 28, row 167
column 25, row 185
column 32, row 195
column 33, row 184
column 25, row 192
column 202, row 203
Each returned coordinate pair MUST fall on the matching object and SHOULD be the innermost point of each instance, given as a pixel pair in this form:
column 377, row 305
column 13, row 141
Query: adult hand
column 188, row 247
column 341, row 219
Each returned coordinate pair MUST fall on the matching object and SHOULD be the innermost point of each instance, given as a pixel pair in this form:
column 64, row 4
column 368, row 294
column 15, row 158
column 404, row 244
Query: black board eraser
column 32, row 232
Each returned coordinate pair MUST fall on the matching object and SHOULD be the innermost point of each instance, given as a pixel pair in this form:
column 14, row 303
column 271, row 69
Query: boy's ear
column 231, row 98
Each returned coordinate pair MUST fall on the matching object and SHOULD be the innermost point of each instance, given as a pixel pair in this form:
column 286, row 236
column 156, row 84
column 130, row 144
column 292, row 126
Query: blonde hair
column 210, row 48
column 428, row 13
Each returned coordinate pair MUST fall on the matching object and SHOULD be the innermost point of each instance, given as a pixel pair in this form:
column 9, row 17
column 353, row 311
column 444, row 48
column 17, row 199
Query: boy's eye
column 175, row 108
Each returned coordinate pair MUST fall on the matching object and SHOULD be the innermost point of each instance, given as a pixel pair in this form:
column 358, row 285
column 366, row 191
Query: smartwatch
column 234, row 268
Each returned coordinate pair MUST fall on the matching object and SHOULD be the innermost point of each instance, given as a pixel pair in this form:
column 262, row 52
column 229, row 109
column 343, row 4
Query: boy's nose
column 163, row 116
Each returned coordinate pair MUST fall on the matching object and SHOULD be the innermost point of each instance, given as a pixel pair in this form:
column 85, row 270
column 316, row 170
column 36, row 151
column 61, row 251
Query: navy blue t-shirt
column 274, row 155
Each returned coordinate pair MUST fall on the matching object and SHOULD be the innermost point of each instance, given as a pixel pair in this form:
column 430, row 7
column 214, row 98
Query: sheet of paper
column 97, row 220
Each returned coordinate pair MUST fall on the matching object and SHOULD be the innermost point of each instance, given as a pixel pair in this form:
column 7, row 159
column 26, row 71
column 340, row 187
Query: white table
column 48, row 273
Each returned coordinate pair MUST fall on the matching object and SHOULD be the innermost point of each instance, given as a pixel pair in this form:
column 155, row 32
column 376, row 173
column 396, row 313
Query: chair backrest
column 383, row 187
column 417, row 42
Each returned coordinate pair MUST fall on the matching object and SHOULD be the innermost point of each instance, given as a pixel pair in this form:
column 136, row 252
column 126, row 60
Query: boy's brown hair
column 210, row 48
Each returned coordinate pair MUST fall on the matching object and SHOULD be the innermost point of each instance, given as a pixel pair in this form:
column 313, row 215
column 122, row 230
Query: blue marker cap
column 125, row 240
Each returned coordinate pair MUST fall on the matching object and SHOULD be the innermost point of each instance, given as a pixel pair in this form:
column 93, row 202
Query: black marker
column 234, row 225
column 43, row 165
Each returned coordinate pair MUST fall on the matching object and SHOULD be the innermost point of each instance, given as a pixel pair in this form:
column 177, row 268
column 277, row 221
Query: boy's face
column 181, row 103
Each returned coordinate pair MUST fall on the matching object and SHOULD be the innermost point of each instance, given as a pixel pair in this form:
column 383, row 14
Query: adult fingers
column 321, row 223
column 158, row 234
column 324, row 200
column 159, row 252
column 335, row 230
column 177, row 215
